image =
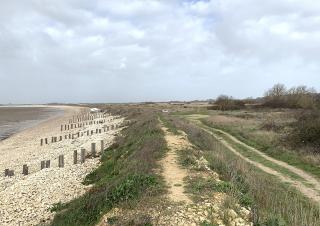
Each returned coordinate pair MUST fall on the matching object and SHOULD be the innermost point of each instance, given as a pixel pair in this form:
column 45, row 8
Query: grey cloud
column 109, row 51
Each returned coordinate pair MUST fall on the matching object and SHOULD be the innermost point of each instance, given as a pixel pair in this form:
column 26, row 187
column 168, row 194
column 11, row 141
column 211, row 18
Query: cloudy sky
column 148, row 50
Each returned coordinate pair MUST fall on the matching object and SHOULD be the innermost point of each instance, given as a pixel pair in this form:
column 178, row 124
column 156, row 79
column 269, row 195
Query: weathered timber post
column 41, row 142
column 6, row 172
column 91, row 132
column 96, row 130
column 61, row 127
column 25, row 170
column 75, row 157
column 60, row 139
column 61, row 161
column 46, row 140
column 48, row 164
column 43, row 165
column 102, row 145
column 11, row 173
column 93, row 149
column 83, row 155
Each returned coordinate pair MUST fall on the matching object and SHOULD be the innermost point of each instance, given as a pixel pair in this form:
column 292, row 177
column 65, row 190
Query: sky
column 148, row 50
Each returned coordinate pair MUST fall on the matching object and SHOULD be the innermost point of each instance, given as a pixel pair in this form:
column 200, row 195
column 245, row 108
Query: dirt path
column 310, row 192
column 172, row 172
column 310, row 179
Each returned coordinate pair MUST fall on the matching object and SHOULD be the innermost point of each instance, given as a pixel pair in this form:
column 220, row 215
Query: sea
column 14, row 119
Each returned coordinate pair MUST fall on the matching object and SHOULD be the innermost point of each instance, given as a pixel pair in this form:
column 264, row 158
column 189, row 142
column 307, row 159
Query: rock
column 231, row 214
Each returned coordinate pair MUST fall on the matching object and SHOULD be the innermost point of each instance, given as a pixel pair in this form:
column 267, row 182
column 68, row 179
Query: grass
column 126, row 174
column 272, row 202
column 246, row 152
column 291, row 157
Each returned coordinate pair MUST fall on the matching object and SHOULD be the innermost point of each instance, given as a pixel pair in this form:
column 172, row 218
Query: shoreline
column 26, row 200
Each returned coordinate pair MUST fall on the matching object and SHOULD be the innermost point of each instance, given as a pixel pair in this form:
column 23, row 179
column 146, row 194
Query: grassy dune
column 125, row 174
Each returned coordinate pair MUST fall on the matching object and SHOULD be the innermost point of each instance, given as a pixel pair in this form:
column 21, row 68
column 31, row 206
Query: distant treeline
column 276, row 97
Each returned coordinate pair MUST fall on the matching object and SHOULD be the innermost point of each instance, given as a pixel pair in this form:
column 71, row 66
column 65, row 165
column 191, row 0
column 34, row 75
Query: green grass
column 125, row 174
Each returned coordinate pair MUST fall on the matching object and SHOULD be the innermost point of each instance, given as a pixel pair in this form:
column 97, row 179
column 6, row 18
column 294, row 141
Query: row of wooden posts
column 86, row 117
column 78, row 134
column 46, row 163
column 66, row 127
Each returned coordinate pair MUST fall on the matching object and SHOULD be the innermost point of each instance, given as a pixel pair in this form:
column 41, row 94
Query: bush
column 225, row 103
column 296, row 97
column 306, row 130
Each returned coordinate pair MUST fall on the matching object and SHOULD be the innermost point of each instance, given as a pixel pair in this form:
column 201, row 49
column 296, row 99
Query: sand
column 25, row 200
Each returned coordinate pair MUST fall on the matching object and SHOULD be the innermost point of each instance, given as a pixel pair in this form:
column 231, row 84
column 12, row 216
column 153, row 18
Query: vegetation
column 225, row 103
column 275, row 143
column 306, row 131
column 296, row 97
column 126, row 173
column 271, row 201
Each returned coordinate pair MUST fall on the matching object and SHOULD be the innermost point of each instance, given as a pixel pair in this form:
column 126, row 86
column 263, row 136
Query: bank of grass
column 125, row 174
column 291, row 157
column 272, row 202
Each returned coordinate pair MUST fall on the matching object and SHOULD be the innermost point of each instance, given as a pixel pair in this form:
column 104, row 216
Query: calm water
column 17, row 118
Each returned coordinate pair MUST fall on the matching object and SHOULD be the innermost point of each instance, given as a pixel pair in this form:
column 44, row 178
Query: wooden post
column 93, row 149
column 61, row 161
column 83, row 155
column 6, row 172
column 61, row 127
column 91, row 132
column 102, row 145
column 60, row 138
column 96, row 130
column 25, row 170
column 48, row 164
column 75, row 157
column 46, row 140
column 99, row 130
column 41, row 142
column 43, row 165
column 11, row 173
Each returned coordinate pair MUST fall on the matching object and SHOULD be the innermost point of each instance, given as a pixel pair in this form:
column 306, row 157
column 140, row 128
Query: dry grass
column 271, row 200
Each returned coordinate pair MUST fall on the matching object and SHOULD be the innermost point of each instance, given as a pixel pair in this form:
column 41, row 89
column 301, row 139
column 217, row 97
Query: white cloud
column 135, row 50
